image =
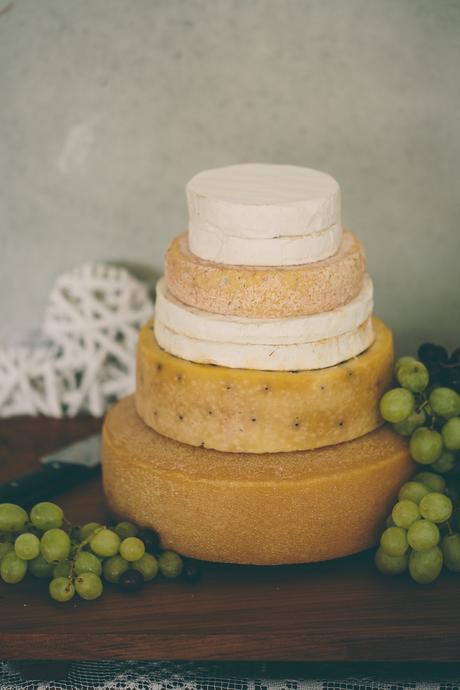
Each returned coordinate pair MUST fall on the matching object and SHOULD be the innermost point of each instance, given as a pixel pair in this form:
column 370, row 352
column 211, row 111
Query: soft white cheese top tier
column 260, row 214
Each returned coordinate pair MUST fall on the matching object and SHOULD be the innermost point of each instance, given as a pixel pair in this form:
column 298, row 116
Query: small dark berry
column 131, row 581
column 455, row 356
column 435, row 371
column 428, row 352
column 191, row 572
column 455, row 380
column 438, row 424
column 445, row 377
column 151, row 540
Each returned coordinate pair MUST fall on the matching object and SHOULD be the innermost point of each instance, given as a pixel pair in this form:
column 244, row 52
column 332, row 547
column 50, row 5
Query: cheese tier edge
column 257, row 292
column 319, row 354
column 252, row 509
column 243, row 410
column 256, row 201
column 290, row 330
column 213, row 245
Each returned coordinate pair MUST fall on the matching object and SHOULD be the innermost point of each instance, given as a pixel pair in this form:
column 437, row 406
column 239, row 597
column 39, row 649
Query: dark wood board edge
column 262, row 647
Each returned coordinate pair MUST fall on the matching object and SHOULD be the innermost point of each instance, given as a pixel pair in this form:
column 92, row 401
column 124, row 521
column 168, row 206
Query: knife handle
column 52, row 478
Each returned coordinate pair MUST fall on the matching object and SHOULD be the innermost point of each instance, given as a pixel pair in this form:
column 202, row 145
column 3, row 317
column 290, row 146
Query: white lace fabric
column 149, row 675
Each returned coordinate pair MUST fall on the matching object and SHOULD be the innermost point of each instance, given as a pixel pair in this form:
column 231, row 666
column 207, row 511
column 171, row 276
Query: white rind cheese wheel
column 213, row 245
column 301, row 356
column 202, row 325
column 256, row 200
column 264, row 215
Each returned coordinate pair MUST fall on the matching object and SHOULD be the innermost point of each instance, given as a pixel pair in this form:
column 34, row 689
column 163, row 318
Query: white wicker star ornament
column 84, row 359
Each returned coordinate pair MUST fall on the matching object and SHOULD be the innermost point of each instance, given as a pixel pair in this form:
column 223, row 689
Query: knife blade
column 59, row 471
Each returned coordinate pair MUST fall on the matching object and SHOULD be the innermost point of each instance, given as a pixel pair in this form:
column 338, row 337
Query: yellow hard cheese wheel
column 244, row 410
column 245, row 508
column 265, row 291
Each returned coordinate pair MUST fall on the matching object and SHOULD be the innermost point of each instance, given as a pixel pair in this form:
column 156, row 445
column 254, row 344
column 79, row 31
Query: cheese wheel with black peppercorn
column 245, row 410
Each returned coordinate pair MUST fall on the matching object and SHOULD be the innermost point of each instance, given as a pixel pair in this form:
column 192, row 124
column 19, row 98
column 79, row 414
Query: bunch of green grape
column 422, row 531
column 77, row 560
column 420, row 535
column 425, row 407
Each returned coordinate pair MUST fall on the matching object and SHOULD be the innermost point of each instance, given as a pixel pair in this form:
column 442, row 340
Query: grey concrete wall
column 107, row 107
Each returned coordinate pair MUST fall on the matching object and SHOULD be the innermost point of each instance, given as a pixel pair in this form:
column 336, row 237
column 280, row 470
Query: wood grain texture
column 337, row 611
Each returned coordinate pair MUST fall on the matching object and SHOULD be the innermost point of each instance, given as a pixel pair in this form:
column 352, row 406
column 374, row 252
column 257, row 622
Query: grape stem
column 78, row 547
column 424, row 403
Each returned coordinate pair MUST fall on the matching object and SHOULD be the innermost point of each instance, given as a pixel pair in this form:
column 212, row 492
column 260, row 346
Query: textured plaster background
column 107, row 107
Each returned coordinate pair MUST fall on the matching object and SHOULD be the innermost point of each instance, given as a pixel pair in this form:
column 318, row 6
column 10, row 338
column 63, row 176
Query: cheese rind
column 260, row 509
column 213, row 245
column 257, row 292
column 318, row 354
column 262, row 201
column 243, row 410
column 291, row 330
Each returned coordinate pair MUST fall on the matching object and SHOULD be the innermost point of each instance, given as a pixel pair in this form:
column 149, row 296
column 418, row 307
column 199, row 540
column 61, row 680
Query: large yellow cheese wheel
column 265, row 291
column 244, row 410
column 246, row 508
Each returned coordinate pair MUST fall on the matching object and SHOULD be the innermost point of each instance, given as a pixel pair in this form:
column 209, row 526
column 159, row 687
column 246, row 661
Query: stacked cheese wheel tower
column 254, row 435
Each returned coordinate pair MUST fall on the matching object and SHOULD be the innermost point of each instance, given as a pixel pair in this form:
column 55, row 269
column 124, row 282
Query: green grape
column 425, row 445
column 85, row 531
column 12, row 568
column 423, row 535
column 431, row 480
column 389, row 522
column 171, row 564
column 445, row 402
column 413, row 491
column 446, row 463
column 89, row 586
column 12, row 517
column 390, row 565
column 405, row 513
column 450, row 547
column 41, row 568
column 405, row 360
column 414, row 376
column 61, row 589
column 105, row 543
column 27, row 546
column 87, row 562
column 147, row 565
column 62, row 569
column 451, row 433
column 46, row 515
column 55, row 545
column 396, row 405
column 425, row 566
column 5, row 547
column 436, row 507
column 409, row 425
column 126, row 529
column 114, row 567
column 132, row 548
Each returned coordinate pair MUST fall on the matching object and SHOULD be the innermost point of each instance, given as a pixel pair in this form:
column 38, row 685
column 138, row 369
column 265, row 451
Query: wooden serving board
column 336, row 611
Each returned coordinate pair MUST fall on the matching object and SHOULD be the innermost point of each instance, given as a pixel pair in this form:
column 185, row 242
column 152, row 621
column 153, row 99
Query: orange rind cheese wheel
column 248, row 508
column 265, row 291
